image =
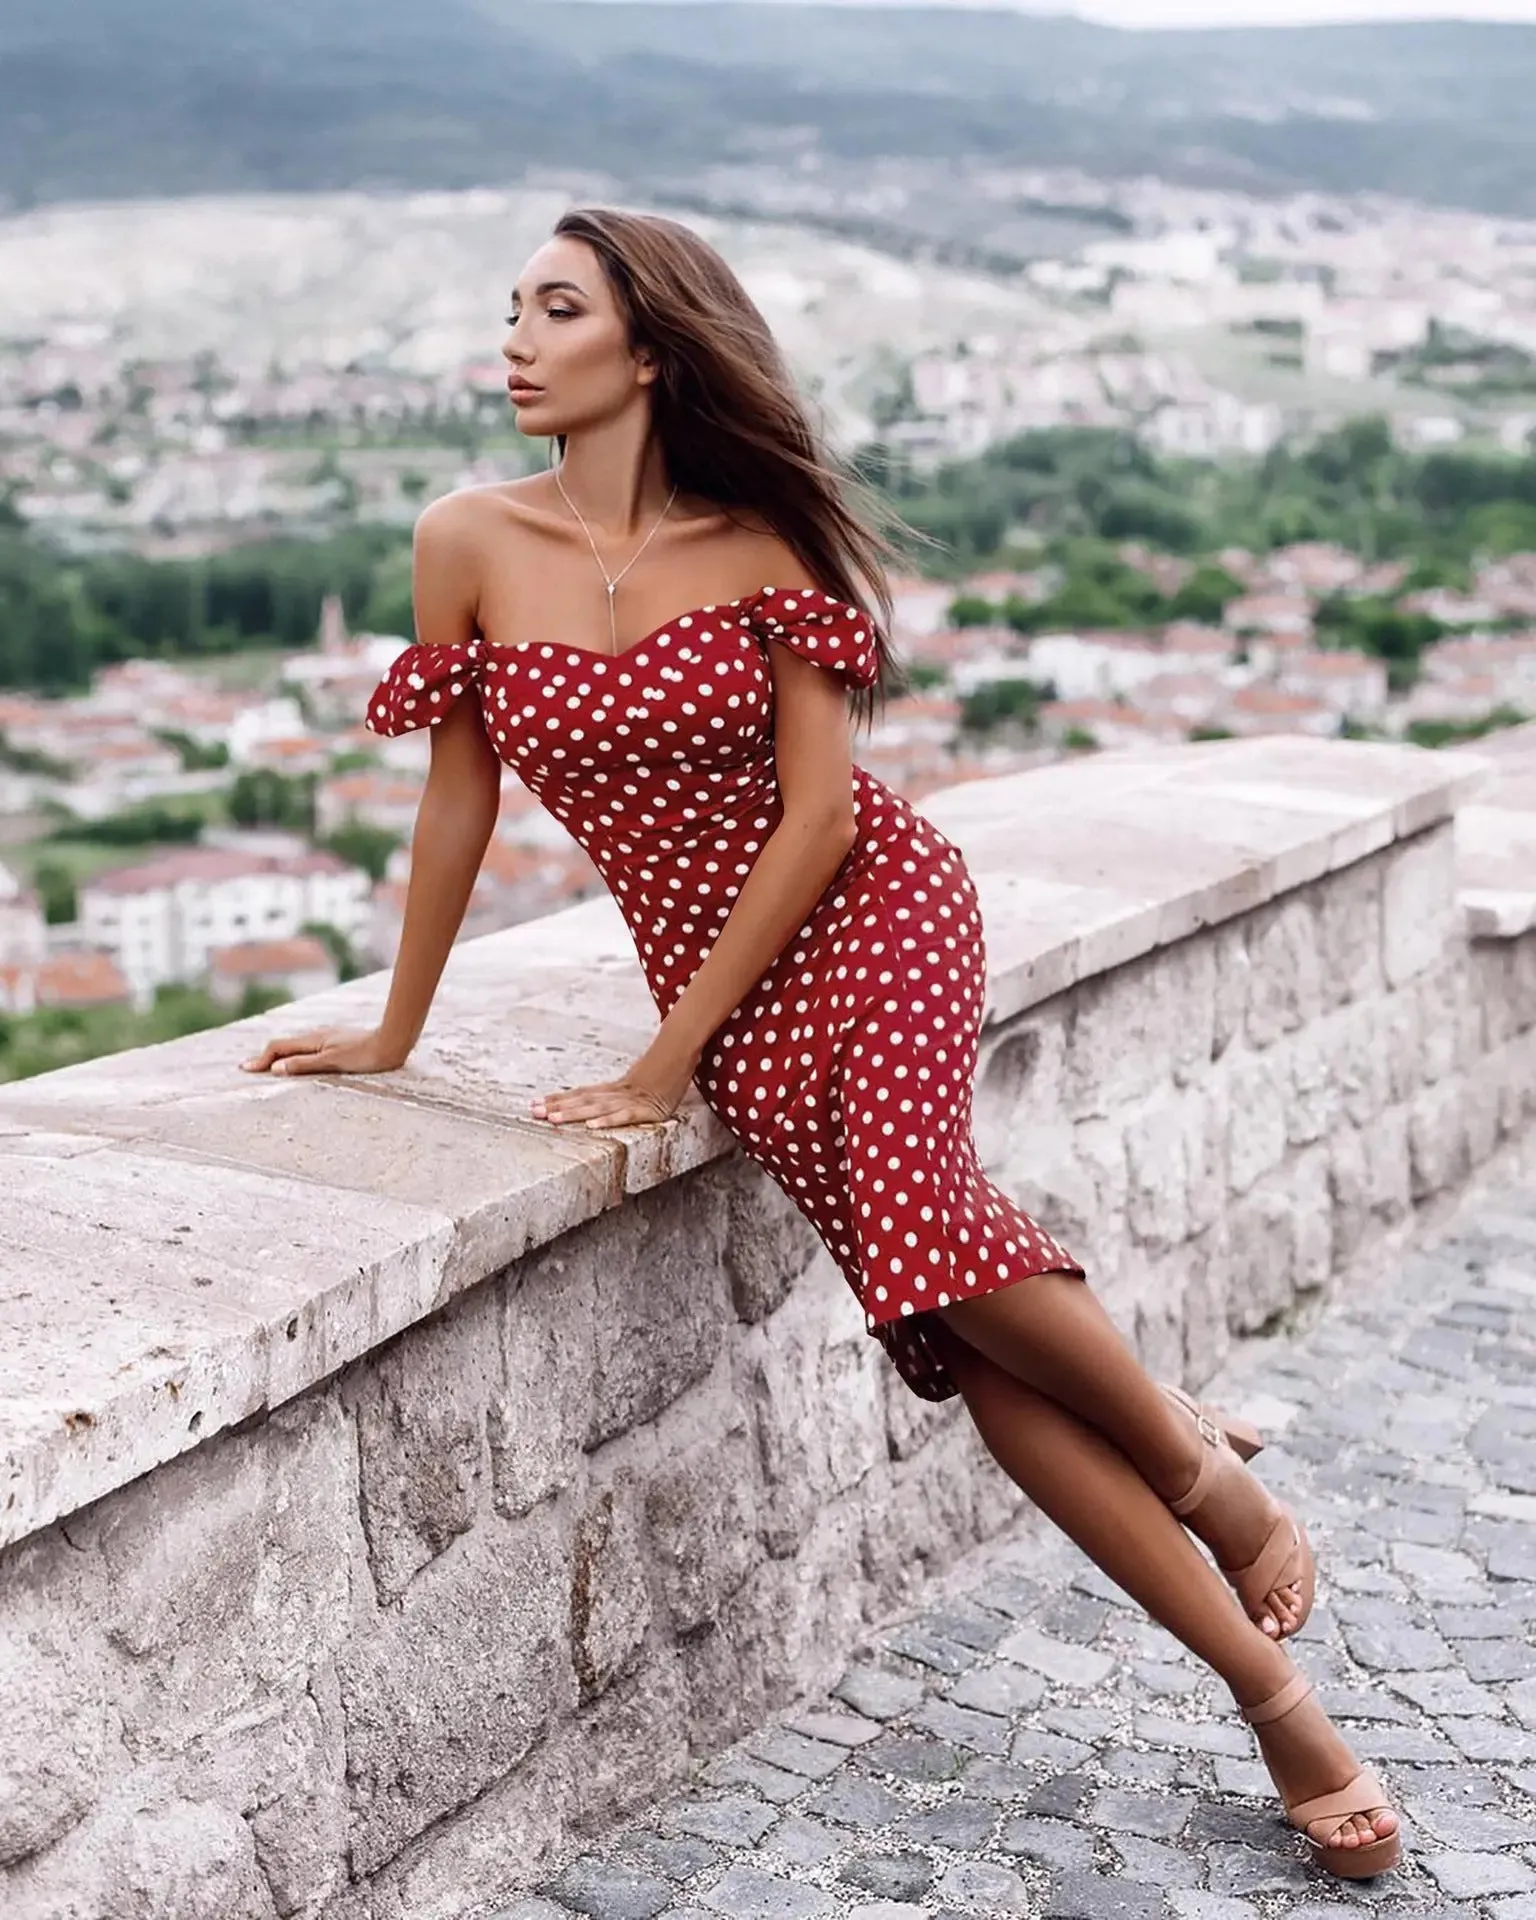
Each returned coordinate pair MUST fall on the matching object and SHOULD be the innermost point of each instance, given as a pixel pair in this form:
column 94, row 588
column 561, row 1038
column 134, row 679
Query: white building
column 1093, row 666
column 161, row 920
column 23, row 930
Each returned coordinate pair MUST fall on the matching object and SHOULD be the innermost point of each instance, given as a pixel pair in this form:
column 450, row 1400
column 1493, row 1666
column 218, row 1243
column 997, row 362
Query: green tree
column 970, row 610
column 55, row 886
column 261, row 797
column 994, row 703
column 1204, row 595
column 361, row 845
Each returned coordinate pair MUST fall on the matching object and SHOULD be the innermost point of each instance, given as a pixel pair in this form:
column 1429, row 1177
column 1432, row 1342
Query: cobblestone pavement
column 1031, row 1745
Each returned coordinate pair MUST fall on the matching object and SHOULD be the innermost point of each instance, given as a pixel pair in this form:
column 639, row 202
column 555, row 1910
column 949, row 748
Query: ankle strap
column 1279, row 1704
column 1205, row 1477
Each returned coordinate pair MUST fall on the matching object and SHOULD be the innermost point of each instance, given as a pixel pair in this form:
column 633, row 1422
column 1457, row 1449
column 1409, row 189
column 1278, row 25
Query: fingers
column 322, row 1060
column 276, row 1051
column 600, row 1106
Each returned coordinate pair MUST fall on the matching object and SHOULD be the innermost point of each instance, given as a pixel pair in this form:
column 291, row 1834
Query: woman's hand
column 326, row 1050
column 650, row 1092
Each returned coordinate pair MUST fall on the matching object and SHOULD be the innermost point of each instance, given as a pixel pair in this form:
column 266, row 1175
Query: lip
column 523, row 389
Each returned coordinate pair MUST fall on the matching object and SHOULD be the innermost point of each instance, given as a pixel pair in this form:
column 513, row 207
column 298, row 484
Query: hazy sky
column 1235, row 13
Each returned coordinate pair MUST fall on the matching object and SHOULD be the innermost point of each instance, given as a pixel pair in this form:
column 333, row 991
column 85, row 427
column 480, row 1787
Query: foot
column 1235, row 1518
column 1307, row 1758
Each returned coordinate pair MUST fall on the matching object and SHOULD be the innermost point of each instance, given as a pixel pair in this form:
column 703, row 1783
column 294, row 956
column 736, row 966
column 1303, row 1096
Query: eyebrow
column 553, row 286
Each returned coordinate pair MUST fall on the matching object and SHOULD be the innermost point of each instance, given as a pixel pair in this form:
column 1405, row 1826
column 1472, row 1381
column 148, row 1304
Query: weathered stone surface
column 661, row 1301
column 701, row 1513
column 768, row 1241
column 548, row 1333
column 52, row 1731
column 420, row 1417
column 1286, row 985
column 186, row 1588
column 1418, row 905
column 425, row 1735
column 350, row 1646
column 610, row 1595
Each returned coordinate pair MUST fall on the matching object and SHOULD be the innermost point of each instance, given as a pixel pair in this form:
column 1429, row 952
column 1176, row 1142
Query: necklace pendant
column 613, row 587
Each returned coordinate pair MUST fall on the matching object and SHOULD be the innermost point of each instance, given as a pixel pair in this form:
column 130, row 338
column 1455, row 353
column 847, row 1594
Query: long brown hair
column 733, row 427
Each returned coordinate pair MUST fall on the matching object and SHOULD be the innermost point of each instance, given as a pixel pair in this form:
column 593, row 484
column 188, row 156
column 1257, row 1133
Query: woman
column 660, row 636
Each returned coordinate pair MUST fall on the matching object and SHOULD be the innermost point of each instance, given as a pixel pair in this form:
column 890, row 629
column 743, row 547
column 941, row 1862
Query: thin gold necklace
column 611, row 580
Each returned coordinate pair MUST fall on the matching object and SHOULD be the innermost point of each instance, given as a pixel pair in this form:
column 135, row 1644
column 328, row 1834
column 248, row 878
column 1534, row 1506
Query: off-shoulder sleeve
column 420, row 687
column 818, row 627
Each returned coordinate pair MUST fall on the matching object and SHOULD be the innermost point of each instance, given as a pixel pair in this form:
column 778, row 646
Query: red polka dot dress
column 847, row 1071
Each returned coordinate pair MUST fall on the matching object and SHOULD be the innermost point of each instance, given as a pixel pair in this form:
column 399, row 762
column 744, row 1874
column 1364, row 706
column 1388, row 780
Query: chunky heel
column 1364, row 1795
column 1241, row 1436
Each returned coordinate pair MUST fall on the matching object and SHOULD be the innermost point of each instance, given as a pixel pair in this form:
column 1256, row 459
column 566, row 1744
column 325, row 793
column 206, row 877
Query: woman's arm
column 454, row 823
column 813, row 755
column 814, row 758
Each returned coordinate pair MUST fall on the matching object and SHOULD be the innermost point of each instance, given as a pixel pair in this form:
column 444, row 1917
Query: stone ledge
column 187, row 1247
column 1496, row 840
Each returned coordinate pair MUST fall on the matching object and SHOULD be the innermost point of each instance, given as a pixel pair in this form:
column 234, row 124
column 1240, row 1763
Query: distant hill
column 103, row 100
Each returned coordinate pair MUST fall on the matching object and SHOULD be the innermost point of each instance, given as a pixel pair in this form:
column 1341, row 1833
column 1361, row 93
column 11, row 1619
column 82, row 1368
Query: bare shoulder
column 463, row 521
column 757, row 556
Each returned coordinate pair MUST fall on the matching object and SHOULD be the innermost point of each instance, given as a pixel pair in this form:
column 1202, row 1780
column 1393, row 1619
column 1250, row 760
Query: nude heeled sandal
column 1244, row 1439
column 1364, row 1794
column 1285, row 1559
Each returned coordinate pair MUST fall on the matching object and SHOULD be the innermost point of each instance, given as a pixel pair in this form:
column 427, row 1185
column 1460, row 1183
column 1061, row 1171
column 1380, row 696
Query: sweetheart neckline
column 688, row 613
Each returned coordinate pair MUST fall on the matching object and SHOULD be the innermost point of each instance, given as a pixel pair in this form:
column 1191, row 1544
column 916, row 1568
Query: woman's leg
column 1090, row 1489
column 1052, row 1334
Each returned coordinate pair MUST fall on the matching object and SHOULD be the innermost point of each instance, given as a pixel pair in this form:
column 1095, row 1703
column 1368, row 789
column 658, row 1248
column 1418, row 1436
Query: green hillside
column 176, row 96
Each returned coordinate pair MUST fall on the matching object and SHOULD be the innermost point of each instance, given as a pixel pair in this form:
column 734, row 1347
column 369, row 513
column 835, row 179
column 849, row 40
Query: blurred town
column 1231, row 465
column 285, row 909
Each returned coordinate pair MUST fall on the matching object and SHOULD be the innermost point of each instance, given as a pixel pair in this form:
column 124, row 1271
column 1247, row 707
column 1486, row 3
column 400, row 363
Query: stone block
column 51, row 1730
column 1400, row 1023
column 1127, row 1030
column 1437, row 1140
column 610, row 1595
column 1233, row 983
column 447, row 1696
column 509, row 1838
column 1206, row 1288
column 1262, row 1245
column 1356, row 1042
column 701, row 1515
column 624, row 1748
column 420, row 1413
column 662, row 1306
column 1387, row 1166
column 1075, row 1182
column 226, row 1576
column 1419, row 913
column 1348, row 909
column 735, row 1668
column 147, row 1856
column 1307, row 1184
column 814, row 1392
column 1020, row 1077
column 548, row 1333
column 1286, row 988
column 1312, row 1109
column 1156, row 1154
column 768, row 1240
column 1349, row 1193
column 1257, row 1090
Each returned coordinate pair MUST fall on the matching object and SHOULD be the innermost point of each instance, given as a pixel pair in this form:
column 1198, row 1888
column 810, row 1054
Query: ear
column 647, row 366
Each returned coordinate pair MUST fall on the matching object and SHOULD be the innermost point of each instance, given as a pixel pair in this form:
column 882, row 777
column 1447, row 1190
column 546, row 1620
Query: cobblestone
column 1029, row 1744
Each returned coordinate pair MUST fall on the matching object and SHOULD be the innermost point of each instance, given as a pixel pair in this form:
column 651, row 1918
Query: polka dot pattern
column 847, row 1072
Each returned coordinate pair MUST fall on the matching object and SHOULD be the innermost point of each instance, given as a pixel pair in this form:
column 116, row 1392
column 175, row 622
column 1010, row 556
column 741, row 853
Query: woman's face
column 568, row 346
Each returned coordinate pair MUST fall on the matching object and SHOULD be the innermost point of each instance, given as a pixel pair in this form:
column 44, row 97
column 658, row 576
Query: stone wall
column 605, row 1491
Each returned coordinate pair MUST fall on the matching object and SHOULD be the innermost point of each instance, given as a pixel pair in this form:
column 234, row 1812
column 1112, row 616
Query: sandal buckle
column 1210, row 1433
